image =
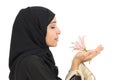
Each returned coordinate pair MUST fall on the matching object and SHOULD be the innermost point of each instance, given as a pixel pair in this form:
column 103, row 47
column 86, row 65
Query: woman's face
column 52, row 34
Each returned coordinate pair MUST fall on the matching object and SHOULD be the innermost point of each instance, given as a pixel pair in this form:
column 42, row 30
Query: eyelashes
column 52, row 27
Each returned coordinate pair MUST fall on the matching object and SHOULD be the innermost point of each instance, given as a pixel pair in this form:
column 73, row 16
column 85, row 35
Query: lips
column 56, row 39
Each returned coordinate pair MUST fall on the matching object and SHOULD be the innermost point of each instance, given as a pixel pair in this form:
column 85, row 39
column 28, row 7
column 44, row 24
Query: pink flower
column 79, row 45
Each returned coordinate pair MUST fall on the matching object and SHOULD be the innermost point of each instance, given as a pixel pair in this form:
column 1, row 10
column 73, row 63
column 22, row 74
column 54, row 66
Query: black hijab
column 28, row 36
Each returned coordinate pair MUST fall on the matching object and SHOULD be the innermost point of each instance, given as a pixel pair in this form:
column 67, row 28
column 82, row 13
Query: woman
column 34, row 31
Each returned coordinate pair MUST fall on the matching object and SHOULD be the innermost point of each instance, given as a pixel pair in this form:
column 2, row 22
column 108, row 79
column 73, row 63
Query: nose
column 58, row 31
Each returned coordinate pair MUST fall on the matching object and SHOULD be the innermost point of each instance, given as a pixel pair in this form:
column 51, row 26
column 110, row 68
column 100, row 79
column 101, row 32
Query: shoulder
column 32, row 60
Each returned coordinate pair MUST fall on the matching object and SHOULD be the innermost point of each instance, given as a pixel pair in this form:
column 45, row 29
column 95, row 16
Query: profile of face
column 52, row 34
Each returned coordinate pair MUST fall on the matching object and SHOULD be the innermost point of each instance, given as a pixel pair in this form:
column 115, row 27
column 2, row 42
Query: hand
column 84, row 56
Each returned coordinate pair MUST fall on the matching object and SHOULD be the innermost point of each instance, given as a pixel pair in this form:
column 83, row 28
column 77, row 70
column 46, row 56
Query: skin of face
column 52, row 35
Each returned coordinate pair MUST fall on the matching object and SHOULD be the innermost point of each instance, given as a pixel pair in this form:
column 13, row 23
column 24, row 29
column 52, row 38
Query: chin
column 53, row 45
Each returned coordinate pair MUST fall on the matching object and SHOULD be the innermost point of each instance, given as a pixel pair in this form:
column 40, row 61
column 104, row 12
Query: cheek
column 49, row 39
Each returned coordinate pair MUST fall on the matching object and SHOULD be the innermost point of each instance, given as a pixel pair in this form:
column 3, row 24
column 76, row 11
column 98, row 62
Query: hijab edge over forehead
column 45, row 12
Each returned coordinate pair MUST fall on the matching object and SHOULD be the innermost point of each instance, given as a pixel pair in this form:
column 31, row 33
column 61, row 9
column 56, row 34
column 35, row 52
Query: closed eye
column 53, row 27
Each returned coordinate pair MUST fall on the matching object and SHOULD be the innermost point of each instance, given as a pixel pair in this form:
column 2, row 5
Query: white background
column 99, row 20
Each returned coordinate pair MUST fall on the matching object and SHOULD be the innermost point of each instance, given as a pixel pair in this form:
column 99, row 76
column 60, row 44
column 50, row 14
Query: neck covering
column 28, row 36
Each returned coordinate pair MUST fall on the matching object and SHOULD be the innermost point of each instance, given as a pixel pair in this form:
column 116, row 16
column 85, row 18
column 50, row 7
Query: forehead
column 53, row 20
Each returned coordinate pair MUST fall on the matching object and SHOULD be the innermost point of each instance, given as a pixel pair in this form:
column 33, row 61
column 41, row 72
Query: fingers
column 99, row 48
column 90, row 54
column 94, row 53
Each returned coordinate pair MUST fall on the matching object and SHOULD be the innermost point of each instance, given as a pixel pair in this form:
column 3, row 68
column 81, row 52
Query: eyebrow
column 53, row 22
